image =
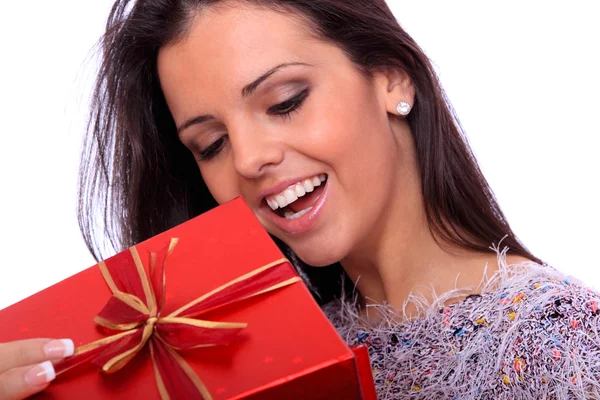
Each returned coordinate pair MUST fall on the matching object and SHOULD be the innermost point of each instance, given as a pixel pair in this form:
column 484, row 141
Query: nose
column 255, row 152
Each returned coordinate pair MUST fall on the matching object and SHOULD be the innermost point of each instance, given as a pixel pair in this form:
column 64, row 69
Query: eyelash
column 286, row 108
column 212, row 150
column 283, row 109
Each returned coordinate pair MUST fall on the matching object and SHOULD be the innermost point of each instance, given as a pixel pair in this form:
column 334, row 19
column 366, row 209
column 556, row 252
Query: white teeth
column 281, row 201
column 290, row 195
column 291, row 215
column 273, row 204
column 294, row 192
column 308, row 186
column 299, row 190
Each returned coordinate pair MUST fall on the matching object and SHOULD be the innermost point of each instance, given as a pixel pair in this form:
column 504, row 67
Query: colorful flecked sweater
column 531, row 333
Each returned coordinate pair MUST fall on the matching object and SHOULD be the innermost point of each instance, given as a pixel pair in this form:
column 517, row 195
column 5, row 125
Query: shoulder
column 532, row 332
column 547, row 330
column 531, row 292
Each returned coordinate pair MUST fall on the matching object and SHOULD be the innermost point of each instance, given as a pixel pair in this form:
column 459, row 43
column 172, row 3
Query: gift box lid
column 288, row 346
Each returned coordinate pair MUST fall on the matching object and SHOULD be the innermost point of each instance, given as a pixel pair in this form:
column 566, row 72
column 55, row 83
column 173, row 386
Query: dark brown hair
column 138, row 180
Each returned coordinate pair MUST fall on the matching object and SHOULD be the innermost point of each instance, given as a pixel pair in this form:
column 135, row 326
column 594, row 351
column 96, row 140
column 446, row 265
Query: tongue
column 308, row 200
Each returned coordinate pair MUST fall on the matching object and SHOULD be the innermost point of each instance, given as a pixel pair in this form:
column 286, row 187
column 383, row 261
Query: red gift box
column 226, row 285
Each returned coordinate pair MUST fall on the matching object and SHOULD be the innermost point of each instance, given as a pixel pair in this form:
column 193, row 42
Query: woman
column 329, row 120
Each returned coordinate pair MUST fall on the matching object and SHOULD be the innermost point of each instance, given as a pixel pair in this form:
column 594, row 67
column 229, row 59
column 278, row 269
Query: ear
column 394, row 87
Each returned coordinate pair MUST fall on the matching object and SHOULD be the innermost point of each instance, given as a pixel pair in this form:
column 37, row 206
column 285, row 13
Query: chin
column 320, row 257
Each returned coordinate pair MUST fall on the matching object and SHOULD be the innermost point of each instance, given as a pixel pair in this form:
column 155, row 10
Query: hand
column 26, row 365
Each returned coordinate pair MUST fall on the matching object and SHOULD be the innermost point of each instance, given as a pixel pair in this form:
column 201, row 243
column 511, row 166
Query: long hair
column 138, row 180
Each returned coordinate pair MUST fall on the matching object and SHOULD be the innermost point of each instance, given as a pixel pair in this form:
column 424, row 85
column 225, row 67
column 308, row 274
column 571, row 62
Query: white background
column 523, row 77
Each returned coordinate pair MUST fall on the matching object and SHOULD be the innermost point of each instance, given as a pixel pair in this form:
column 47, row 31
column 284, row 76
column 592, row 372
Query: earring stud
column 403, row 108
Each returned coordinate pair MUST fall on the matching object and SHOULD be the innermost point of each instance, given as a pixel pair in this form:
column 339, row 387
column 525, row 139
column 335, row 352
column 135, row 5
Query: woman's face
column 286, row 120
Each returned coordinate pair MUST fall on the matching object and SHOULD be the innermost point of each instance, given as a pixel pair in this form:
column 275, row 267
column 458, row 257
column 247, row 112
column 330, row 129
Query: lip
column 300, row 225
column 281, row 186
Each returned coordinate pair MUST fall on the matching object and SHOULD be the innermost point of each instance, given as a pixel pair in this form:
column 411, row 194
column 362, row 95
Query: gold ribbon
column 135, row 309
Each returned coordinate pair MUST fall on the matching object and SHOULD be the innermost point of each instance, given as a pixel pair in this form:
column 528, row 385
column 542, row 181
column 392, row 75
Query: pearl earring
column 403, row 108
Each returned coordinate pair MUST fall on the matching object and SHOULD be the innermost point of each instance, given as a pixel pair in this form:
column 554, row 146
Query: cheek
column 354, row 132
column 348, row 115
column 221, row 182
column 327, row 128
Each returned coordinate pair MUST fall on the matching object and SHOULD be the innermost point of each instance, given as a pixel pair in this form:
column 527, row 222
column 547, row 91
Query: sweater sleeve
column 552, row 350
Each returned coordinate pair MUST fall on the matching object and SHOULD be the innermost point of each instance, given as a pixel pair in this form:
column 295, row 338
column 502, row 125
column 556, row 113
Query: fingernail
column 40, row 374
column 59, row 348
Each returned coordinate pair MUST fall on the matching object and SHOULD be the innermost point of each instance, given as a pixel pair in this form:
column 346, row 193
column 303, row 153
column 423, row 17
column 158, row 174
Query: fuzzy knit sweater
column 530, row 333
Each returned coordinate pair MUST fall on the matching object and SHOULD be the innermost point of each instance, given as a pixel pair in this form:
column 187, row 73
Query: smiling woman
column 329, row 120
column 272, row 120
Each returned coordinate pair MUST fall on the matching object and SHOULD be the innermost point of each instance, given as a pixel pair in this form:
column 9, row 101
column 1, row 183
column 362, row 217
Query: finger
column 33, row 351
column 22, row 382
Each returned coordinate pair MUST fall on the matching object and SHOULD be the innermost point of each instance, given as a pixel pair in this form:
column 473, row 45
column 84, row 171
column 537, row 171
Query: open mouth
column 298, row 199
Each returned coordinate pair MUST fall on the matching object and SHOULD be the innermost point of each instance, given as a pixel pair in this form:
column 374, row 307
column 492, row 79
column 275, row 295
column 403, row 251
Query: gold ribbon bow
column 135, row 310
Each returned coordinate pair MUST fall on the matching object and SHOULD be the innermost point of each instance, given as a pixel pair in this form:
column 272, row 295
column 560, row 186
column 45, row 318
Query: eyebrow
column 246, row 91
column 251, row 88
column 194, row 121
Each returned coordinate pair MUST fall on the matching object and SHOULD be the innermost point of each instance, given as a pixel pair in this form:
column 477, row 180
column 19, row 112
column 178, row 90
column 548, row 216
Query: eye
column 212, row 150
column 284, row 109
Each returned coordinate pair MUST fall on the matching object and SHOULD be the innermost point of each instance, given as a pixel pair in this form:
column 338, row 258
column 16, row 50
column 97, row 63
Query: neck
column 402, row 257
